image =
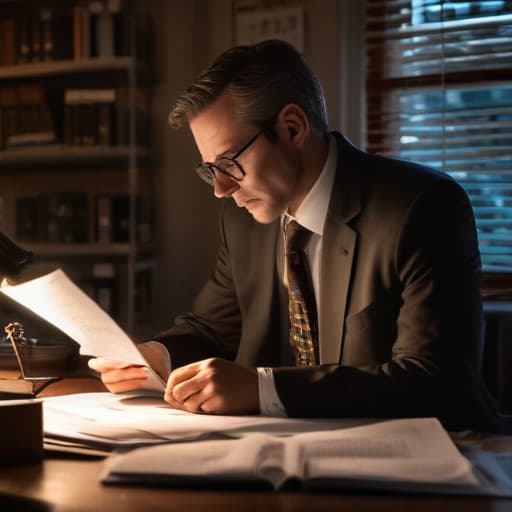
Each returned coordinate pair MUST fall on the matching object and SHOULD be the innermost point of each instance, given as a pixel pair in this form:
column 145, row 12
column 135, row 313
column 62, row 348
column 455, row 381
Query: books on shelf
column 36, row 34
column 72, row 30
column 101, row 117
column 61, row 217
column 97, row 117
column 25, row 117
column 112, row 222
column 66, row 217
column 7, row 42
column 89, row 117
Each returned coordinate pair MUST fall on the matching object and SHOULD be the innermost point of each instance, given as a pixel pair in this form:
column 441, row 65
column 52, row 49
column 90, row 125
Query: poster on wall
column 254, row 25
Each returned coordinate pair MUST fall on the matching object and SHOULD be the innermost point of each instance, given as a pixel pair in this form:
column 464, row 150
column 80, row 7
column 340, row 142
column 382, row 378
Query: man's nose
column 224, row 186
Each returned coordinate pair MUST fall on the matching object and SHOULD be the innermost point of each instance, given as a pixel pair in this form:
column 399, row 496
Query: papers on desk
column 161, row 445
column 109, row 421
column 59, row 301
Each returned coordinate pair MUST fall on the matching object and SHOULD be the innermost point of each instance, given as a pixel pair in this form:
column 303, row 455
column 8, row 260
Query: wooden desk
column 69, row 483
column 72, row 485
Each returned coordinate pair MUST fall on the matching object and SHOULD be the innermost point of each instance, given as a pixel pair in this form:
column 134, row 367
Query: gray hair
column 262, row 79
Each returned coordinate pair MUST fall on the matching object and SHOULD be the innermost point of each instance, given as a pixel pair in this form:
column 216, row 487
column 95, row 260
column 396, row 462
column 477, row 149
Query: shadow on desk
column 19, row 503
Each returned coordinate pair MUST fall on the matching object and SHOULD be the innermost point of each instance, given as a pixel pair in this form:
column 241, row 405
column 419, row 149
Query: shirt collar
column 313, row 210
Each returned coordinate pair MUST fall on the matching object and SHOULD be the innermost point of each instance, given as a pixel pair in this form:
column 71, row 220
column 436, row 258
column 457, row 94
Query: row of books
column 25, row 117
column 30, row 115
column 67, row 217
column 2, row 213
column 46, row 31
column 104, row 287
column 102, row 117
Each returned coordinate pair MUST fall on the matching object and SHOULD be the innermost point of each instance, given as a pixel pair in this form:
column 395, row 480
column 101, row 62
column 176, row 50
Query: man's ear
column 292, row 125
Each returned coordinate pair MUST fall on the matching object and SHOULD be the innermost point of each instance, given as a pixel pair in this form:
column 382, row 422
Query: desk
column 72, row 485
column 68, row 483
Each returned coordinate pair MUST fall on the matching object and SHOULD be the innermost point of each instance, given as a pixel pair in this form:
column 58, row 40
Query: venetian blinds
column 439, row 91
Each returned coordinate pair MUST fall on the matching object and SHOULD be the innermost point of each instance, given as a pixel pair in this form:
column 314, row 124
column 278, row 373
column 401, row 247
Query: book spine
column 78, row 50
column 2, row 213
column 36, row 53
column 26, row 219
column 47, row 34
column 120, row 214
column 63, row 32
column 120, row 218
column 119, row 16
column 7, row 42
column 103, row 219
column 104, row 287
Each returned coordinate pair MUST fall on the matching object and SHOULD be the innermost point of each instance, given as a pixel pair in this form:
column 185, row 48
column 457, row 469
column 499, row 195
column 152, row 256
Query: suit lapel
column 339, row 243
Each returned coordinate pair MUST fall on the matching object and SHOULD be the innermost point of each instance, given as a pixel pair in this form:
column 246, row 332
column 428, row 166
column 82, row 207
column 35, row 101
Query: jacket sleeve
column 212, row 328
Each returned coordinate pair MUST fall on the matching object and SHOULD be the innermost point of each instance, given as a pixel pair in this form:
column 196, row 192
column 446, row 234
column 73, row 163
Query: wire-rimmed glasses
column 226, row 164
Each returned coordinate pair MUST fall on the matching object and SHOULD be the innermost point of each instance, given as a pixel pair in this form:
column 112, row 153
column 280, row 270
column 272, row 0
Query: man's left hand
column 214, row 386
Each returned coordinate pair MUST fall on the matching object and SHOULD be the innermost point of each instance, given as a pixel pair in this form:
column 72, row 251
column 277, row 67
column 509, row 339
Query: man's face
column 271, row 178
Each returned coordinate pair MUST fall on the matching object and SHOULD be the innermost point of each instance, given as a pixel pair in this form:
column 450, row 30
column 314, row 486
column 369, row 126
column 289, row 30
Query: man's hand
column 214, row 386
column 119, row 377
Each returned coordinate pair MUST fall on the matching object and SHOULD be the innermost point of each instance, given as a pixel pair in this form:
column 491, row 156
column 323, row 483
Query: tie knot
column 296, row 236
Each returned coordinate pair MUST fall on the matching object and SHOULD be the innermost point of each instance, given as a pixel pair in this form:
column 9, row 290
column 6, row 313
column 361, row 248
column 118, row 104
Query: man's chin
column 263, row 216
column 260, row 211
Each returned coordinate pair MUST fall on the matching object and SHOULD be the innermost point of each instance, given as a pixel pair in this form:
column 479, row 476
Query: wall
column 188, row 35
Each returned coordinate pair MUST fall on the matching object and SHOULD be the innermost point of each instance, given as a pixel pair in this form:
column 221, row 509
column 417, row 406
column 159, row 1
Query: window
column 439, row 92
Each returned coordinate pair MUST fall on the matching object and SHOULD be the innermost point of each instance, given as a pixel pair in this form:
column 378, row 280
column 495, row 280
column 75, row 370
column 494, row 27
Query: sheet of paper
column 109, row 418
column 59, row 301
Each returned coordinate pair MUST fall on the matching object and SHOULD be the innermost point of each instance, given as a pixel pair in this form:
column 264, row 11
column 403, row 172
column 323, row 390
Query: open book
column 410, row 455
column 59, row 301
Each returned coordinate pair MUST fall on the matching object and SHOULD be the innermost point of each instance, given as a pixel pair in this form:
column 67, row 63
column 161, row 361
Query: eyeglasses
column 226, row 165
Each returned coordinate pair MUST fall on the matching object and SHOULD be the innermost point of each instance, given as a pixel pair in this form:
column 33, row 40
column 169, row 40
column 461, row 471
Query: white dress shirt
column 311, row 214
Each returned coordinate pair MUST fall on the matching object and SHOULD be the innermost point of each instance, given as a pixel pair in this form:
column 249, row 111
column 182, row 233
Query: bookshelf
column 76, row 164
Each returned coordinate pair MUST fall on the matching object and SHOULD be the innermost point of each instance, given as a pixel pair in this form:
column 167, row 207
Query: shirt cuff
column 270, row 403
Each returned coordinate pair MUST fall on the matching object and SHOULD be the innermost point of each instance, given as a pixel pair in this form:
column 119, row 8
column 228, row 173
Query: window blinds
column 439, row 92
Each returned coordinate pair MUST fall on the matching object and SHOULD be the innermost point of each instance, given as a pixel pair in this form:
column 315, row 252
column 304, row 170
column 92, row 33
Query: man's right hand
column 119, row 377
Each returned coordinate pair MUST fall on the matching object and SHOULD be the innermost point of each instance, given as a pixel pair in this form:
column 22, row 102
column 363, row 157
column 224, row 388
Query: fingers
column 183, row 384
column 119, row 377
column 214, row 386
column 100, row 364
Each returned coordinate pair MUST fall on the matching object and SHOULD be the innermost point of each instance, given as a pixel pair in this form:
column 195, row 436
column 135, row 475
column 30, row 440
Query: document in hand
column 409, row 455
column 59, row 301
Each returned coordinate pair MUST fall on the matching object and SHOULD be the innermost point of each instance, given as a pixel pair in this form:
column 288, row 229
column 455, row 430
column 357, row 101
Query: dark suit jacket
column 401, row 320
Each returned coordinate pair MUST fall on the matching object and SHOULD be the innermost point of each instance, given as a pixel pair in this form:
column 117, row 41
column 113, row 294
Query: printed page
column 414, row 452
column 59, row 301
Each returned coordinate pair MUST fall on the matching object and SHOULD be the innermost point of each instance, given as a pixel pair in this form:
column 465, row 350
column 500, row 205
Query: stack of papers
column 112, row 422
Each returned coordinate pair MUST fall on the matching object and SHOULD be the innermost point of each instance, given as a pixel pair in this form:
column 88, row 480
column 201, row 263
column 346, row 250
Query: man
column 395, row 325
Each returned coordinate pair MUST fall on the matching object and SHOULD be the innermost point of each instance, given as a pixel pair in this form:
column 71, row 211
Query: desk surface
column 69, row 483
column 72, row 485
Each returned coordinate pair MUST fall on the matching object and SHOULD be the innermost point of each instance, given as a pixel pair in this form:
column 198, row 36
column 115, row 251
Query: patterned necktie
column 301, row 296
